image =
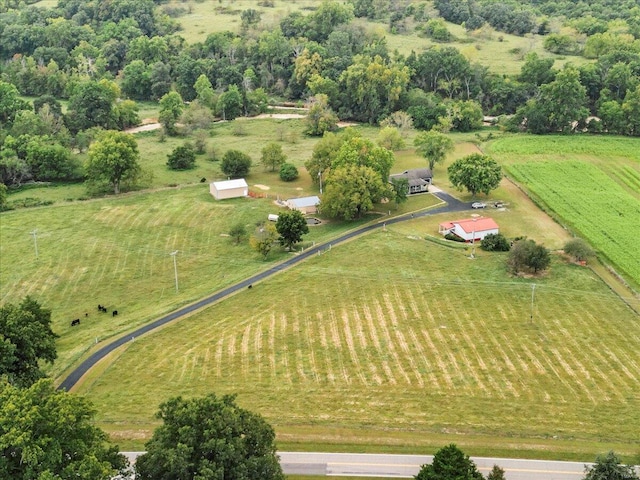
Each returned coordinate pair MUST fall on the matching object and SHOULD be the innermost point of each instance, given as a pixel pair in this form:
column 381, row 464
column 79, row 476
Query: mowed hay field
column 392, row 340
column 592, row 184
column 115, row 252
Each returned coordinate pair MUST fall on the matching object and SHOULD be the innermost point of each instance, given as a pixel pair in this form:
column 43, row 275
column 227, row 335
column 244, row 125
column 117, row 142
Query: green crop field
column 390, row 340
column 591, row 183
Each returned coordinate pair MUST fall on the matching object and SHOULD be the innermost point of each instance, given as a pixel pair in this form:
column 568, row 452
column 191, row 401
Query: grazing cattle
column 86, row 315
column 250, row 286
column 114, row 313
column 100, row 307
column 75, row 322
column 203, row 180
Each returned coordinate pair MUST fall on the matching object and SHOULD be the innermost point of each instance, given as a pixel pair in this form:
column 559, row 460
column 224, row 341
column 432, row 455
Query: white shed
column 229, row 189
column 470, row 228
column 304, row 204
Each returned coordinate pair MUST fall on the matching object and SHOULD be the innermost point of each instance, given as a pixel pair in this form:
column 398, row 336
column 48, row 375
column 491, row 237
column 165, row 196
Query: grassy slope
column 389, row 340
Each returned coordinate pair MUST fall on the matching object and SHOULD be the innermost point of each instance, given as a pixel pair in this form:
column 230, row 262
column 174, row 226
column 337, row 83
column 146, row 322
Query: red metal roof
column 469, row 225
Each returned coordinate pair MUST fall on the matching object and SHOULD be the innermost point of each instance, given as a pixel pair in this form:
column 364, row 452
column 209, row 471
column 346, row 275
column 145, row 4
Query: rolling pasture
column 592, row 184
column 391, row 340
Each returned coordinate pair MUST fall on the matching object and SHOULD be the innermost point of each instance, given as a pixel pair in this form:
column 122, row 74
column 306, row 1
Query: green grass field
column 591, row 183
column 114, row 251
column 388, row 340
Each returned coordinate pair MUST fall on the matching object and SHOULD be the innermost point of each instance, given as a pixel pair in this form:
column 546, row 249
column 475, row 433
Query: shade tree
column 433, row 146
column 351, row 191
column 51, row 435
column 113, row 159
column 209, row 437
column 272, row 156
column 291, row 226
column 476, row 172
column 610, row 467
column 26, row 340
column 235, row 163
column 527, row 255
column 450, row 463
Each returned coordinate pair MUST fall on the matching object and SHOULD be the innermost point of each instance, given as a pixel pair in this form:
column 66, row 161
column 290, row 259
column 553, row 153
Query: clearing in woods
column 389, row 340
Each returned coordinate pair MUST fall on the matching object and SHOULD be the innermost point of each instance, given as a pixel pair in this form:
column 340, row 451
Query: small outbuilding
column 229, row 189
column 418, row 179
column 304, row 204
column 470, row 229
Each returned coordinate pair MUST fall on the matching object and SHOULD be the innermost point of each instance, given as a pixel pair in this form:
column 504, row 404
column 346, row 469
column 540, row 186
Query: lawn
column 390, row 340
column 592, row 184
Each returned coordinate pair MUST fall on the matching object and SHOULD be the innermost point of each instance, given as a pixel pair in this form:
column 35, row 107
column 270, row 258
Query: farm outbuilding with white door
column 229, row 189
column 470, row 229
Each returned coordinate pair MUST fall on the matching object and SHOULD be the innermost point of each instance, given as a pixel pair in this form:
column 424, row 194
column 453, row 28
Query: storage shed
column 229, row 189
column 470, row 228
column 304, row 204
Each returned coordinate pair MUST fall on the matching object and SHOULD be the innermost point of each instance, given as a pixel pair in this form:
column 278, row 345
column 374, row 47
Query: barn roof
column 230, row 184
column 302, row 202
column 469, row 225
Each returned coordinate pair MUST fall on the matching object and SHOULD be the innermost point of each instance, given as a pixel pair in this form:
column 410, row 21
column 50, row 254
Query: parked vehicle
column 478, row 205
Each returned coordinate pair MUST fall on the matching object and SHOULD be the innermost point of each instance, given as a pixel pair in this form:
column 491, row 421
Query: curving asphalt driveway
column 453, row 205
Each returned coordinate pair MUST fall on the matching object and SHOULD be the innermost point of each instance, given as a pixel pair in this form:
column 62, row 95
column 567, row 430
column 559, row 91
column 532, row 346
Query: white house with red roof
column 470, row 228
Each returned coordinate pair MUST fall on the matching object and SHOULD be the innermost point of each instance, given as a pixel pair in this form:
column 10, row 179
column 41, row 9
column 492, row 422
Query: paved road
column 406, row 466
column 453, row 205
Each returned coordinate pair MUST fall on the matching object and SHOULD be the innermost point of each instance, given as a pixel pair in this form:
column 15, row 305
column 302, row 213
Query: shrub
column 578, row 249
column 288, row 172
column 528, row 255
column 454, row 237
column 495, row 242
column 183, row 157
column 235, row 163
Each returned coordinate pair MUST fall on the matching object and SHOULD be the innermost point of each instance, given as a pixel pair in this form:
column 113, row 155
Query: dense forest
column 104, row 56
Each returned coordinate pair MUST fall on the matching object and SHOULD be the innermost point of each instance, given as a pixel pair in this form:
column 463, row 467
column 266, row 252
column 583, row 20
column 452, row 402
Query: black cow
column 203, row 180
column 250, row 286
column 75, row 322
column 114, row 313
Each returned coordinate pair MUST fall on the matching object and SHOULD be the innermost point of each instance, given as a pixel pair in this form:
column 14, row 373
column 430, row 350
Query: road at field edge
column 452, row 205
column 407, row 466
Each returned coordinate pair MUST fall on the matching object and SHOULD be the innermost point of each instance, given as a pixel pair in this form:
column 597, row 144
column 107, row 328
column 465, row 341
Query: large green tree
column 363, row 152
column 112, row 159
column 609, row 467
column 10, row 104
column 26, row 339
column 171, row 107
column 351, row 191
column 235, row 163
column 92, row 104
column 291, row 226
column 209, row 438
column 272, row 156
column 50, row 435
column 433, row 146
column 475, row 172
column 450, row 463
column 528, row 255
column 320, row 117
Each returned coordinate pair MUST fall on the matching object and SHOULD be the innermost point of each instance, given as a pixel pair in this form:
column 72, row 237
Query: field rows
column 594, row 205
column 399, row 355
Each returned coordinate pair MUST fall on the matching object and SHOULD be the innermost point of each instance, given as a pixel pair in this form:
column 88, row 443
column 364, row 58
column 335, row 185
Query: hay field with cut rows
column 115, row 252
column 390, row 339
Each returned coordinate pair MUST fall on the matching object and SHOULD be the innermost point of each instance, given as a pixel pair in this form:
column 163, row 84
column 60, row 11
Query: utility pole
column 533, row 293
column 320, row 177
column 35, row 240
column 175, row 267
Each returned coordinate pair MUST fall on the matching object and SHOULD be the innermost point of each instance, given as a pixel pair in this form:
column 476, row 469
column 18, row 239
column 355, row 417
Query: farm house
column 304, row 204
column 229, row 189
column 418, row 179
column 470, row 228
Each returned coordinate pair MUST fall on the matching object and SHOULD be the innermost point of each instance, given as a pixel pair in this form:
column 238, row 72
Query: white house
column 229, row 189
column 304, row 204
column 470, row 228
